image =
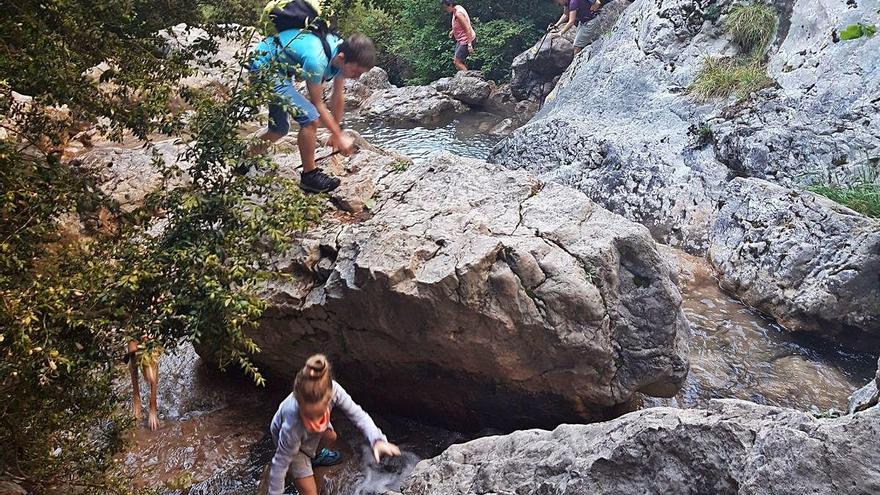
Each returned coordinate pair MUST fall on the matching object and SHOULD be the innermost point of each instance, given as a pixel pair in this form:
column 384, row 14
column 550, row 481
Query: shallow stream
column 213, row 441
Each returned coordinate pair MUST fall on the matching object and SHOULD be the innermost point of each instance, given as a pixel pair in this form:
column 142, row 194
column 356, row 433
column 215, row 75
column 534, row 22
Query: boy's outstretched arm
column 343, row 143
column 337, row 99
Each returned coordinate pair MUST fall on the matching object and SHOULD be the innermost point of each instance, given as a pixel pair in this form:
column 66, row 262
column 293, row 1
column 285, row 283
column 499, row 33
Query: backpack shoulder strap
column 320, row 29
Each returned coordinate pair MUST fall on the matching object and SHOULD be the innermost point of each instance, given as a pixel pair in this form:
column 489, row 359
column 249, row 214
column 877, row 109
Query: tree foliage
column 415, row 34
column 186, row 266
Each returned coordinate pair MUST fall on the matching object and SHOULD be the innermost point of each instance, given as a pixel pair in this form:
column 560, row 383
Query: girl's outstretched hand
column 384, row 449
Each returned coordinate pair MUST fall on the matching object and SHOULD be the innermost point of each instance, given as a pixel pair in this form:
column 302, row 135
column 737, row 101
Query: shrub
column 862, row 196
column 69, row 304
column 721, row 77
column 856, row 31
column 751, row 26
column 499, row 41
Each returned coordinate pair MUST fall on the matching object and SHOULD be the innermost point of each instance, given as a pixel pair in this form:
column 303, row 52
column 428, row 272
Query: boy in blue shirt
column 301, row 54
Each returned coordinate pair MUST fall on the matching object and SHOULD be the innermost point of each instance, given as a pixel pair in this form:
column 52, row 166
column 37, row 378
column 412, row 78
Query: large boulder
column 415, row 104
column 535, row 71
column 462, row 299
column 358, row 90
column 732, row 447
column 807, row 261
column 621, row 126
column 469, row 87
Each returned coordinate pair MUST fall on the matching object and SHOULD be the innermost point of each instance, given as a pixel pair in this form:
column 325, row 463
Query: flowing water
column 213, row 440
column 466, row 135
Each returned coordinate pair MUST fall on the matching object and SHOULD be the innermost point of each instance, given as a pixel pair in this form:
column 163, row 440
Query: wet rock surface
column 810, row 263
column 729, row 447
column 866, row 396
column 463, row 299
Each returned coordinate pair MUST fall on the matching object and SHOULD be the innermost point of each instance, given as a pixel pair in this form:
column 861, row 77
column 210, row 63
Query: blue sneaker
column 327, row 457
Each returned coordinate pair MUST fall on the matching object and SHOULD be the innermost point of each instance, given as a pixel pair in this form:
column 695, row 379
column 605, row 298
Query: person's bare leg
column 306, row 142
column 328, row 438
column 266, row 138
column 135, row 386
column 151, row 373
column 306, row 486
column 459, row 64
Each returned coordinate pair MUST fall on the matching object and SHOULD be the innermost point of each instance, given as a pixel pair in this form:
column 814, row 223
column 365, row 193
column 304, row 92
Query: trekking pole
column 326, row 156
column 320, row 159
column 540, row 44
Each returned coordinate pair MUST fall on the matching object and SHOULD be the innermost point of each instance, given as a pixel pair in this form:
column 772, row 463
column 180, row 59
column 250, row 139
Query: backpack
column 299, row 14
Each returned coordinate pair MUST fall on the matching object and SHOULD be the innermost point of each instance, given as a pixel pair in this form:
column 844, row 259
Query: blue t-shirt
column 302, row 51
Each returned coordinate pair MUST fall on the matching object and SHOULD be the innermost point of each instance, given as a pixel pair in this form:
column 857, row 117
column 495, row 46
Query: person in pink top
column 462, row 32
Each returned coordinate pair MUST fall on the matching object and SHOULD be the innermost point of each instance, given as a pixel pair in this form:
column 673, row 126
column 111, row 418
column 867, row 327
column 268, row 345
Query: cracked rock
column 810, row 263
column 513, row 305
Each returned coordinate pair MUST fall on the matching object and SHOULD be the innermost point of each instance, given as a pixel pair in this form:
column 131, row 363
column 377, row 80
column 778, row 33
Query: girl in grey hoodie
column 302, row 423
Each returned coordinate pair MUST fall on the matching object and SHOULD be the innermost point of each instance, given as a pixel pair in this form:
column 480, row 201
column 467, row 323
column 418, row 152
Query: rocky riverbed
column 552, row 285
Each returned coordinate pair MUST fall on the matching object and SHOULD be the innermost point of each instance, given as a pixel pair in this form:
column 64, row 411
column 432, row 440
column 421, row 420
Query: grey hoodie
column 288, row 431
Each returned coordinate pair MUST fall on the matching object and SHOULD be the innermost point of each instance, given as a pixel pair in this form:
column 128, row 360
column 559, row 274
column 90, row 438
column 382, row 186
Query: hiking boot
column 327, row 457
column 317, row 181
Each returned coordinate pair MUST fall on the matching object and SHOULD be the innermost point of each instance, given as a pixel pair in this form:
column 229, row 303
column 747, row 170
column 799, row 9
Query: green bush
column 751, row 26
column 856, row 31
column 721, row 77
column 379, row 26
column 419, row 43
column 70, row 303
column 862, row 196
column 499, row 41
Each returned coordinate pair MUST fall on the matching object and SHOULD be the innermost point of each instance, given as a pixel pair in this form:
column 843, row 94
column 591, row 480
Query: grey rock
column 128, row 175
column 621, row 127
column 863, row 398
column 503, row 128
column 469, row 87
column 462, row 299
column 356, row 91
column 617, row 124
column 732, row 447
column 819, row 124
column 418, row 104
column 534, row 71
column 867, row 396
column 810, row 263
